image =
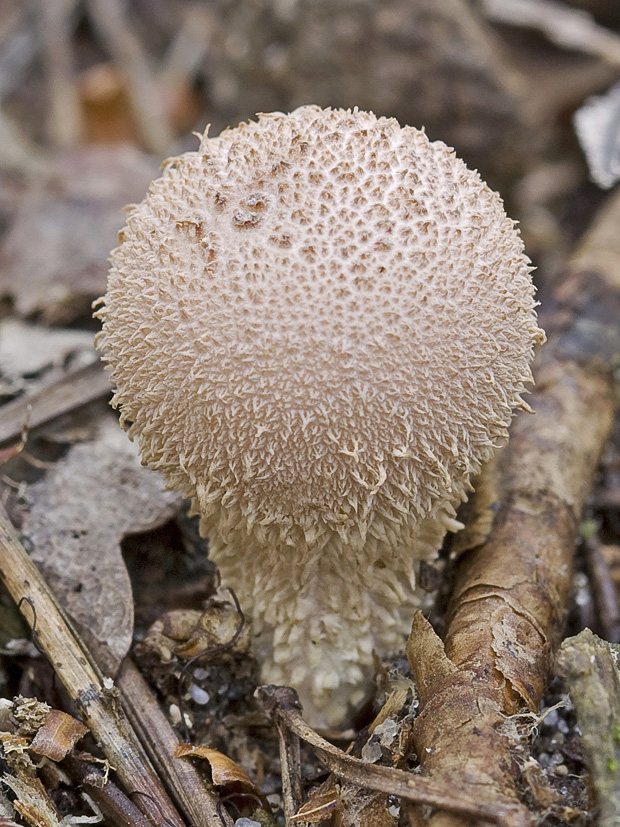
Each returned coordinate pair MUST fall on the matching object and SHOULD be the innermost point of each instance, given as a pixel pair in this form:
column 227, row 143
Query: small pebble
column 371, row 752
column 246, row 822
column 198, row 695
column 275, row 801
column 561, row 770
column 551, row 718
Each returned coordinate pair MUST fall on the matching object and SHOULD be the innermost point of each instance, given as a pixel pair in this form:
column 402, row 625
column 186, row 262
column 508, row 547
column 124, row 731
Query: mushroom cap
column 319, row 325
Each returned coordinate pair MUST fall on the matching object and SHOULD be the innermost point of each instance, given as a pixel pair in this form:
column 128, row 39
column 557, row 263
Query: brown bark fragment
column 58, row 735
column 282, row 705
column 508, row 606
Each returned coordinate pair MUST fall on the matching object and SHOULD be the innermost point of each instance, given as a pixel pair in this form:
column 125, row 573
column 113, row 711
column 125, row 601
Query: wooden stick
column 183, row 779
column 75, row 389
column 64, row 121
column 282, row 705
column 145, row 93
column 511, row 591
column 97, row 704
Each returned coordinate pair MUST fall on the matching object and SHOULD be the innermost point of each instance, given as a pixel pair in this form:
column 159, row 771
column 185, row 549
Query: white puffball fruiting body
column 319, row 326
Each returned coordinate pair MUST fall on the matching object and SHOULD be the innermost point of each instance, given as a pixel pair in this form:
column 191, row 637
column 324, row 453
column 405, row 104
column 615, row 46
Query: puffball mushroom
column 319, row 326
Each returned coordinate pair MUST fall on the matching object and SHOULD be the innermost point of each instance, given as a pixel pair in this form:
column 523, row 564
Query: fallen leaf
column 224, row 770
column 568, row 28
column 596, row 125
column 77, row 516
column 73, row 214
column 319, row 806
column 27, row 349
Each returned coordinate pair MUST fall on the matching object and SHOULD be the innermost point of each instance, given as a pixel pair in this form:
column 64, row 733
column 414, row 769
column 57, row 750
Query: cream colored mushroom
column 319, row 326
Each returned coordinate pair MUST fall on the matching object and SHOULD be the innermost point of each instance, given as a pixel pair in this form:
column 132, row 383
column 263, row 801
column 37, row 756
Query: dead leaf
column 224, row 771
column 77, row 516
column 393, row 703
column 566, row 27
column 596, row 125
column 27, row 349
column 186, row 633
column 58, row 735
column 73, row 214
column 319, row 806
column 363, row 809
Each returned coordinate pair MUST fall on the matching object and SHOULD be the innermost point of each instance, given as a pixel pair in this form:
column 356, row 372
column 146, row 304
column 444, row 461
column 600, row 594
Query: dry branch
column 64, row 121
column 290, row 760
column 72, row 391
column 98, row 706
column 509, row 601
column 113, row 803
column 185, row 781
column 282, row 705
column 145, row 93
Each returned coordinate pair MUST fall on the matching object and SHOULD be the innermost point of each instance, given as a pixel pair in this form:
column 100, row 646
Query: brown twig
column 98, row 705
column 144, row 92
column 64, row 122
column 282, row 705
column 187, row 51
column 290, row 762
column 182, row 778
column 112, row 802
column 511, row 590
column 72, row 391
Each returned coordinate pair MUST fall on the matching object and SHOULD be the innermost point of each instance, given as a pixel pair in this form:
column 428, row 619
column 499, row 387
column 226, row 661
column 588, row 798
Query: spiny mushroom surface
column 319, row 326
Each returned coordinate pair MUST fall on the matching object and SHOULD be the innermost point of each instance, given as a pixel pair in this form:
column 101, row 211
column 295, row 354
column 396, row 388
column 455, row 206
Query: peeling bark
column 509, row 602
column 588, row 664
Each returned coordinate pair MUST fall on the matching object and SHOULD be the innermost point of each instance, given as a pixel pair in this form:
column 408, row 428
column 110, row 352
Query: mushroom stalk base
column 321, row 613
